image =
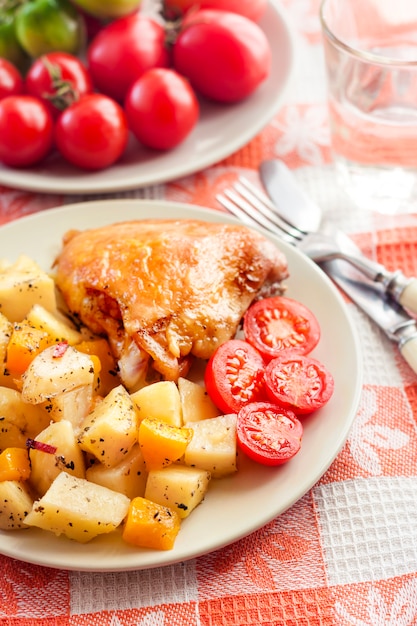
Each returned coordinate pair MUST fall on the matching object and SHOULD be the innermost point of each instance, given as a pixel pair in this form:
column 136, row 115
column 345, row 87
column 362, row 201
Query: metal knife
column 322, row 243
column 370, row 297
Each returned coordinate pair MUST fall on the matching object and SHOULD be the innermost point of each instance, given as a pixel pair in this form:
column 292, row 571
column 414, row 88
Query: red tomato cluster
column 269, row 379
column 141, row 76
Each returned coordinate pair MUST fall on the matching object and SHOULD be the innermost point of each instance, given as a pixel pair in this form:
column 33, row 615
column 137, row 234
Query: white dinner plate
column 234, row 506
column 221, row 130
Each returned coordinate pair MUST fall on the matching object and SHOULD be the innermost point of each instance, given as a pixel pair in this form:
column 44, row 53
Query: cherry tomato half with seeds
column 234, row 376
column 92, row 133
column 225, row 56
column 267, row 433
column 298, row 382
column 161, row 109
column 280, row 325
column 59, row 79
column 26, row 131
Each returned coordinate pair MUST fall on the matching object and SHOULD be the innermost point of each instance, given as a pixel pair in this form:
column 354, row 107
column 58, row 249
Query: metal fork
column 251, row 206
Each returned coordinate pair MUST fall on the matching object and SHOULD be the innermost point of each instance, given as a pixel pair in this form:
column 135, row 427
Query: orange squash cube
column 150, row 525
column 161, row 443
column 14, row 464
column 26, row 342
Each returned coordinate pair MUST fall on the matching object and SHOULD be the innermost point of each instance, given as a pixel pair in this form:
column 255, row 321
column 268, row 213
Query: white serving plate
column 234, row 506
column 221, row 131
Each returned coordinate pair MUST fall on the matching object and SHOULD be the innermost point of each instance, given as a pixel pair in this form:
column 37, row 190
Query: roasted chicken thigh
column 163, row 291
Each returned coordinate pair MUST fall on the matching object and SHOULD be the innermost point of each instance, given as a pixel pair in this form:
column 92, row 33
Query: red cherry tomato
column 92, row 133
column 224, row 55
column 26, row 130
column 11, row 81
column 277, row 326
column 234, row 376
column 252, row 9
column 298, row 382
column 58, row 78
column 267, row 433
column 161, row 109
column 123, row 51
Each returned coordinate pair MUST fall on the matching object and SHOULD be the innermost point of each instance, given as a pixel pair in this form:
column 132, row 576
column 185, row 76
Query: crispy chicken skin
column 163, row 290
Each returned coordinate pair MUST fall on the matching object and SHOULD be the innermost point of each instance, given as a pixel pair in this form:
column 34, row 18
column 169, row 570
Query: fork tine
column 265, row 206
column 244, row 211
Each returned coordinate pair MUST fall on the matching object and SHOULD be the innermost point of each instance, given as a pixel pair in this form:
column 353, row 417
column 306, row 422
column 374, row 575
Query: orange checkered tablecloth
column 346, row 553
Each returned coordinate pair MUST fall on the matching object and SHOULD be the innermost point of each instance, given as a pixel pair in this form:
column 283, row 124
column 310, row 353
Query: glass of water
column 371, row 59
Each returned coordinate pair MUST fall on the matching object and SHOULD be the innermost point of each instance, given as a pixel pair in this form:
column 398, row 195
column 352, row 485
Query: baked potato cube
column 161, row 443
column 56, row 325
column 161, row 401
column 67, row 458
column 195, row 401
column 55, row 371
column 15, row 504
column 110, row 431
column 128, row 477
column 73, row 405
column 78, row 509
column 19, row 420
column 150, row 525
column 179, row 487
column 106, row 376
column 213, row 446
column 23, row 284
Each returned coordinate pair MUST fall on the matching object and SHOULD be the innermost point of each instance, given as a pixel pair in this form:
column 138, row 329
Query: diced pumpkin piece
column 109, row 432
column 106, row 377
column 78, row 509
column 161, row 401
column 150, row 525
column 26, row 342
column 67, row 458
column 161, row 443
column 213, row 446
column 18, row 420
column 195, row 401
column 55, row 371
column 15, row 504
column 6, row 329
column 23, row 284
column 14, row 464
column 128, row 477
column 179, row 487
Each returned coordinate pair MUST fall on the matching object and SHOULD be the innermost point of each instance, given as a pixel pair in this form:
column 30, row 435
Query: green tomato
column 44, row 26
column 108, row 9
column 10, row 48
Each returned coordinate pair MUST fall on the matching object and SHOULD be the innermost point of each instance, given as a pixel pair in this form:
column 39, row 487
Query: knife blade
column 371, row 299
column 322, row 242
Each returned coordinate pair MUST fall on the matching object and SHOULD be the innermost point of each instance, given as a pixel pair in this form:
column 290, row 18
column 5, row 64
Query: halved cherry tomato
column 267, row 433
column 279, row 325
column 298, row 382
column 234, row 376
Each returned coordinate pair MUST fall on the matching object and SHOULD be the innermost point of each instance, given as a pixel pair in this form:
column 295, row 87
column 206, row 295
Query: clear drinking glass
column 371, row 59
